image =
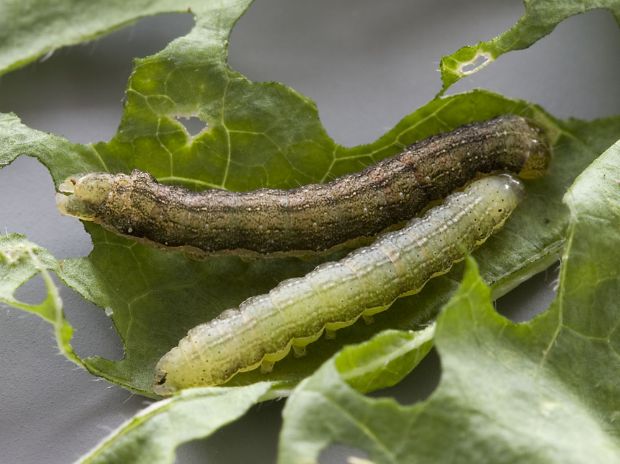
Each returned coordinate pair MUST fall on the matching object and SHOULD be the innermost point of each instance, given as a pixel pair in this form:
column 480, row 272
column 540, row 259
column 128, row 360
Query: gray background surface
column 366, row 64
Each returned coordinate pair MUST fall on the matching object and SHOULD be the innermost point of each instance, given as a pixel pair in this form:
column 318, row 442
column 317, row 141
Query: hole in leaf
column 365, row 65
column 94, row 333
column 337, row 453
column 258, row 429
column 28, row 207
column 33, row 292
column 78, row 91
column 557, row 72
column 481, row 60
column 193, row 124
column 418, row 385
column 531, row 297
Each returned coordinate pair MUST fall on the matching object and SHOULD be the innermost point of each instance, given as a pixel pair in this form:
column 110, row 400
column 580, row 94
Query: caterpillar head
column 160, row 386
column 82, row 195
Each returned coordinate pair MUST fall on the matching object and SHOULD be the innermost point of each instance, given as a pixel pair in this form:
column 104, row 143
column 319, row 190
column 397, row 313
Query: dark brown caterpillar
column 313, row 217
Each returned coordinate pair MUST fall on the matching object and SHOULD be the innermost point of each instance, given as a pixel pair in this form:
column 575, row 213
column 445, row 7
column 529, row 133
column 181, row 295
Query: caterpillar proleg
column 263, row 329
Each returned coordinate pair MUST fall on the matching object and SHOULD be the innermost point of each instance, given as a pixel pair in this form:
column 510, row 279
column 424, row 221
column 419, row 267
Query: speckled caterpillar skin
column 314, row 217
column 334, row 295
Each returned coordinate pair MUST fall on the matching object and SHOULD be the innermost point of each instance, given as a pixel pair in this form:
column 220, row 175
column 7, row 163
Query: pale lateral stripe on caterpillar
column 313, row 217
column 296, row 312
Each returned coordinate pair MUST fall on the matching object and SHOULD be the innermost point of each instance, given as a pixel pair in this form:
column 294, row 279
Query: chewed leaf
column 154, row 281
column 153, row 435
column 498, row 376
column 251, row 135
column 20, row 261
column 543, row 391
column 540, row 18
column 27, row 33
column 250, row 142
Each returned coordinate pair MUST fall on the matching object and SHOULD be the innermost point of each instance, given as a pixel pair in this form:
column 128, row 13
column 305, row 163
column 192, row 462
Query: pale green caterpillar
column 313, row 217
column 296, row 312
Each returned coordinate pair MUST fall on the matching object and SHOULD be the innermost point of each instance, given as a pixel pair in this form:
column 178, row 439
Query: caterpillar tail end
column 539, row 156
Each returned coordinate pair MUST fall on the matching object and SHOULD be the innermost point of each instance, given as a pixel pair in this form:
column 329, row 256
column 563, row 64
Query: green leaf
column 543, row 391
column 20, row 261
column 30, row 29
column 540, row 18
column 263, row 134
column 249, row 142
column 384, row 360
column 154, row 434
column 154, row 281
